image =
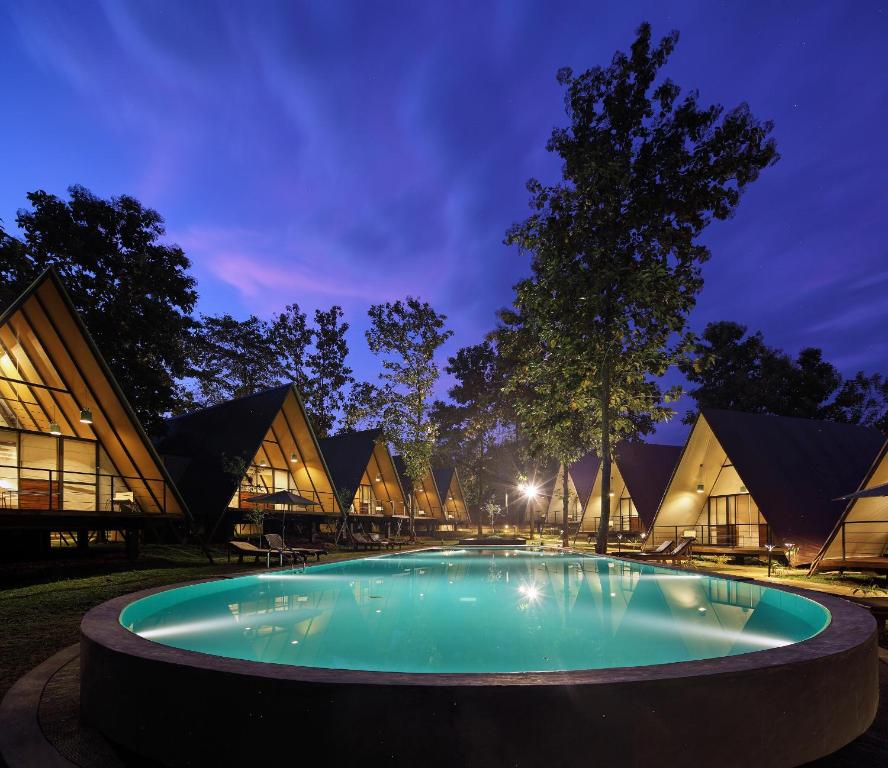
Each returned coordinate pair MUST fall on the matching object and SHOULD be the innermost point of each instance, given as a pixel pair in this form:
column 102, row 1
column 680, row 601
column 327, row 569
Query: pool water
column 475, row 610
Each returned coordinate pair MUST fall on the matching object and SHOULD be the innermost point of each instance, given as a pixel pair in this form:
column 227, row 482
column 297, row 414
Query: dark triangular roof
column 406, row 483
column 199, row 445
column 443, row 477
column 795, row 468
column 347, row 456
column 583, row 474
column 646, row 469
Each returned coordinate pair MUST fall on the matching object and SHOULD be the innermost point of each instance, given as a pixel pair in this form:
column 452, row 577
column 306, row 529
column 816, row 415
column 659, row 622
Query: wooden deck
column 877, row 564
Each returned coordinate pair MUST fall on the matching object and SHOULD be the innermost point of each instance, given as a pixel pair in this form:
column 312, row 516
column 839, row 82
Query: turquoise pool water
column 482, row 610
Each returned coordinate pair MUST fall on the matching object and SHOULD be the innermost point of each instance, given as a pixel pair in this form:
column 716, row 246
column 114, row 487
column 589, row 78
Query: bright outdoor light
column 529, row 489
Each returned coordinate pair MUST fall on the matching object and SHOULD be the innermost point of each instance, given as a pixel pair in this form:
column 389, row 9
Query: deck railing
column 863, row 538
column 729, row 535
column 36, row 489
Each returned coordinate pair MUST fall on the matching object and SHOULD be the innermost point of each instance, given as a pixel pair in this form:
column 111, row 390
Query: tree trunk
column 412, row 517
column 604, row 520
column 565, row 505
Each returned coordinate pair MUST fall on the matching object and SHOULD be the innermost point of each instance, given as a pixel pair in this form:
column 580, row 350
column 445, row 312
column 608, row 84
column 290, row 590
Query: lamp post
column 529, row 491
column 770, row 548
column 619, row 542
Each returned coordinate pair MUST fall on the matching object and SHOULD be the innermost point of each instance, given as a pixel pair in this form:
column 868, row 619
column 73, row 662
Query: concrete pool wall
column 779, row 707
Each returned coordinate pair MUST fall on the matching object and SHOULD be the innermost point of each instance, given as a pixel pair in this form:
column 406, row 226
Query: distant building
column 363, row 470
column 456, row 513
column 639, row 475
column 428, row 504
column 221, row 456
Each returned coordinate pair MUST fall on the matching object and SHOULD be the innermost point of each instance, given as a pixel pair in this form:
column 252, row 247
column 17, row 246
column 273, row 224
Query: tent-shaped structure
column 639, row 474
column 860, row 538
column 73, row 455
column 581, row 476
column 748, row 480
column 452, row 497
column 362, row 469
column 429, row 509
column 222, row 455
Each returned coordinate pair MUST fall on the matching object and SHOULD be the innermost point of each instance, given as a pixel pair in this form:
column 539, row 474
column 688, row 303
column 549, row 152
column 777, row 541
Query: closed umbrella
column 287, row 498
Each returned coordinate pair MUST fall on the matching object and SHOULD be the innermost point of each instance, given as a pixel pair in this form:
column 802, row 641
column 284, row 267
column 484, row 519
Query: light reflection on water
column 475, row 611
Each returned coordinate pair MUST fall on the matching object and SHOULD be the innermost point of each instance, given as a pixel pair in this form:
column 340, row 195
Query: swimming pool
column 476, row 611
column 480, row 657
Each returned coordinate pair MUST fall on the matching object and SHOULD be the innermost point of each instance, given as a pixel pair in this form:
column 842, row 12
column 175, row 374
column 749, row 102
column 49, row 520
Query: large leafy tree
column 327, row 376
column 405, row 335
column 615, row 249
column 475, row 422
column 232, row 358
column 731, row 368
column 132, row 290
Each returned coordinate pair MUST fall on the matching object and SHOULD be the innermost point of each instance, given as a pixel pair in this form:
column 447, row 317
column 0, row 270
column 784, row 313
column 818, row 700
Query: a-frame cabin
column 363, row 471
column 639, row 474
column 456, row 512
column 75, row 463
column 428, row 506
column 223, row 455
column 745, row 481
column 581, row 476
column 860, row 539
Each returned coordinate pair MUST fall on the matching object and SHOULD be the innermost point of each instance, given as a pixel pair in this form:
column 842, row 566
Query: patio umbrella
column 287, row 498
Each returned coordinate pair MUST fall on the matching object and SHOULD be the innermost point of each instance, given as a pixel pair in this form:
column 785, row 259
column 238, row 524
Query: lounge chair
column 360, row 540
column 682, row 551
column 276, row 543
column 245, row 549
column 387, row 543
column 662, row 548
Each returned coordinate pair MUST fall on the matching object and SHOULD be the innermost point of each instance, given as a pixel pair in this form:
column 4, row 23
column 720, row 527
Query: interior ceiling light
column 86, row 416
column 293, row 458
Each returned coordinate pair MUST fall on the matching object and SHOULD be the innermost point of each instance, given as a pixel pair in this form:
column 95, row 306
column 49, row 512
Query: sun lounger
column 387, row 543
column 662, row 547
column 682, row 551
column 245, row 549
column 276, row 543
column 360, row 540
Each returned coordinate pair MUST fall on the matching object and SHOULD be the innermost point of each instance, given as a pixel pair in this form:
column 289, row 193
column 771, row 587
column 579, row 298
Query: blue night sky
column 357, row 152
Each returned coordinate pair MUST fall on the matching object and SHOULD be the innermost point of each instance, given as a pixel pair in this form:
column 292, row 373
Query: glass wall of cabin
column 58, row 474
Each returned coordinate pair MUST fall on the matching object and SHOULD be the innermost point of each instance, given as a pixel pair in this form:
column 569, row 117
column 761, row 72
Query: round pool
column 465, row 610
column 480, row 656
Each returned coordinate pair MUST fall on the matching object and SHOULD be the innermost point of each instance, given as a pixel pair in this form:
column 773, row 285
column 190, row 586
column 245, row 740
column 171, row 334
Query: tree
column 733, row 369
column 232, row 358
column 475, row 421
column 328, row 375
column 288, row 338
column 406, row 335
column 133, row 292
column 615, row 249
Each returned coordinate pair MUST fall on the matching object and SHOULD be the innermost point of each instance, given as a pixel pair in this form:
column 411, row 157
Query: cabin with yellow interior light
column 75, row 463
column 221, row 456
column 746, row 482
